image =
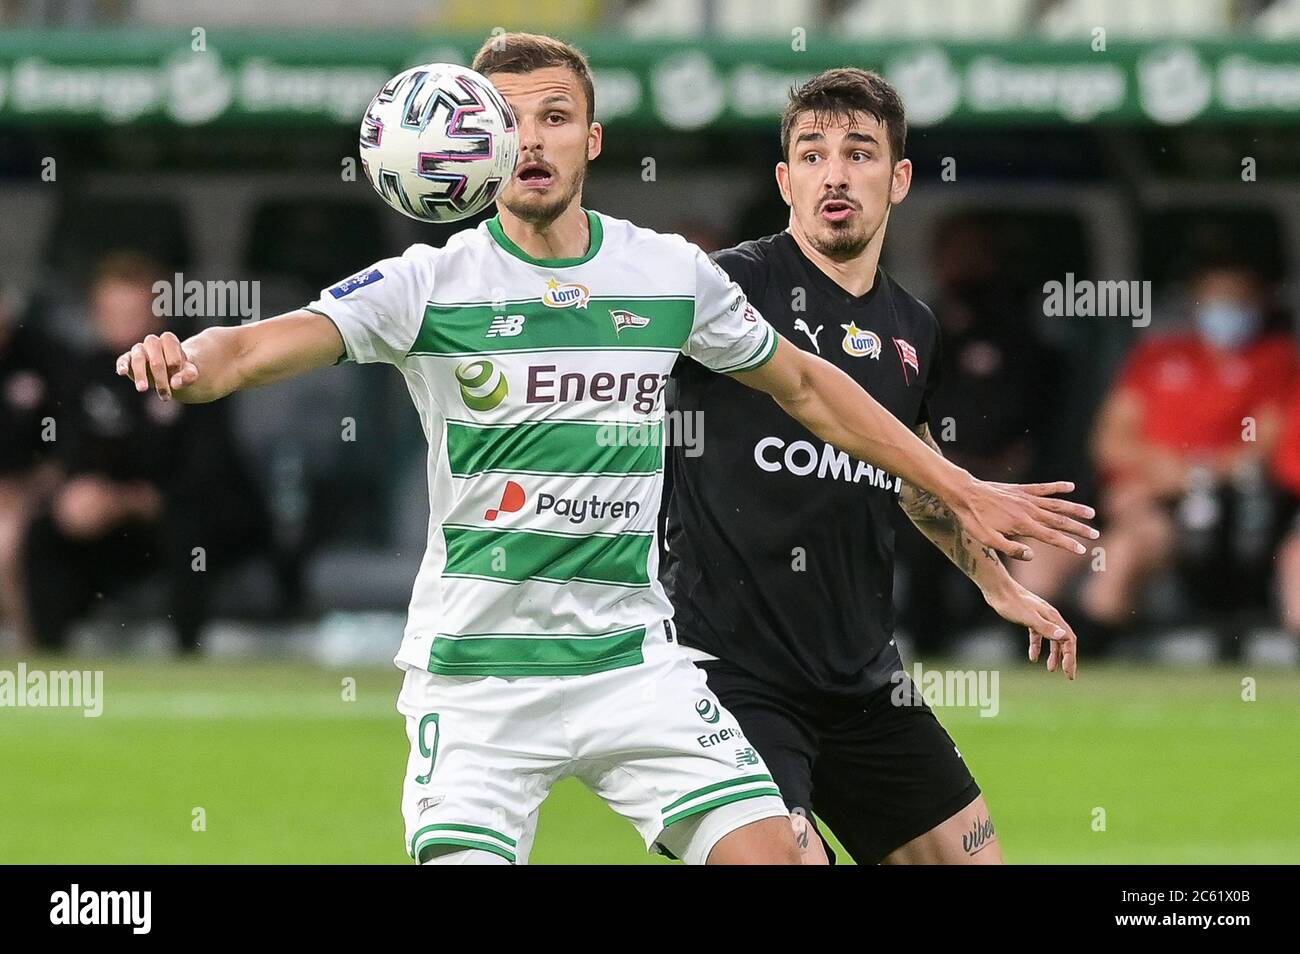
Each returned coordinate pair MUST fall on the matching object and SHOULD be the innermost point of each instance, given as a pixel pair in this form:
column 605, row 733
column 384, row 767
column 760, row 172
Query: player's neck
column 856, row 275
column 567, row 236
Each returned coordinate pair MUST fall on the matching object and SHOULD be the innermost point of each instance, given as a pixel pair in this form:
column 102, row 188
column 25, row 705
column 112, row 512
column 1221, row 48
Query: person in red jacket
column 1182, row 446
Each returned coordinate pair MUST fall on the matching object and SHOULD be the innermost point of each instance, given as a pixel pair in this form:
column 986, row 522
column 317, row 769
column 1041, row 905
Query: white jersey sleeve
column 379, row 310
column 729, row 334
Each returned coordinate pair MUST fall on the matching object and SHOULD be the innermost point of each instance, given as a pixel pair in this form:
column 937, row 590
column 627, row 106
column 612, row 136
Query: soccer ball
column 439, row 142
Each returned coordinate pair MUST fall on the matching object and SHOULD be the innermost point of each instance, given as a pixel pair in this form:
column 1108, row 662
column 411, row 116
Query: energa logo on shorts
column 707, row 711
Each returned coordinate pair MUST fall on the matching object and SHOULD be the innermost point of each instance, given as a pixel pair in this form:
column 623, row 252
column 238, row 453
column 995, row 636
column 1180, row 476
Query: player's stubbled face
column 840, row 180
column 555, row 141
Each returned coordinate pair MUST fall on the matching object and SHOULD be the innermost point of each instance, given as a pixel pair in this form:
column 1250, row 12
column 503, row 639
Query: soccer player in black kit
column 779, row 547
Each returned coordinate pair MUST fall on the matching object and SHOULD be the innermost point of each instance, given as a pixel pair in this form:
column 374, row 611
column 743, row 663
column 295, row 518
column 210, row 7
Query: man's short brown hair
column 841, row 92
column 525, row 52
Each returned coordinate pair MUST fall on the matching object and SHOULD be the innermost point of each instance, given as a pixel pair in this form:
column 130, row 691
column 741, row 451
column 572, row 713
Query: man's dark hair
column 841, row 92
column 525, row 52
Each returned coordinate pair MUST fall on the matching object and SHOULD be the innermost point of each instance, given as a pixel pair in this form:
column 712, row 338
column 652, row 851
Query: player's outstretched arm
column 219, row 361
column 1011, row 600
column 830, row 404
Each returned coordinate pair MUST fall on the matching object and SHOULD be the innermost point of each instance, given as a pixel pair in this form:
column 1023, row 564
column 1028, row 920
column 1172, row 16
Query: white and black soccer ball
column 439, row 143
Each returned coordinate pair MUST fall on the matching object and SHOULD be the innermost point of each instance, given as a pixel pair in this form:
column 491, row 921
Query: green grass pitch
column 285, row 770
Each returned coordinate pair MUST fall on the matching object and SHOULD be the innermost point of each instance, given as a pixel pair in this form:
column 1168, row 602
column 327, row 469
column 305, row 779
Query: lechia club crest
column 626, row 319
column 565, row 295
column 859, row 342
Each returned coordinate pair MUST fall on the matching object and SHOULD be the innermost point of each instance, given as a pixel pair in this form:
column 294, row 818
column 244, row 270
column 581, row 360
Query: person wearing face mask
column 1182, row 445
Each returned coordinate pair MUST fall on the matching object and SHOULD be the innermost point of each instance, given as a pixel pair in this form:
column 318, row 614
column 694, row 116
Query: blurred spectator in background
column 1182, row 445
column 997, row 387
column 149, row 486
column 27, row 387
column 995, row 399
column 1286, row 472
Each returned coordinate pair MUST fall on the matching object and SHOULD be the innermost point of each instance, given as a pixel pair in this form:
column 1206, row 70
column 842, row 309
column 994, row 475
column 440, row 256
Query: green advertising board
column 115, row 78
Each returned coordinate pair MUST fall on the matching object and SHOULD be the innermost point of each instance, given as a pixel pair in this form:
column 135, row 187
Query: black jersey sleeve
column 744, row 265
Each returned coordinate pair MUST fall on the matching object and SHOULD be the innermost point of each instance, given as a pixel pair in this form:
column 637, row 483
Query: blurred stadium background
column 1148, row 140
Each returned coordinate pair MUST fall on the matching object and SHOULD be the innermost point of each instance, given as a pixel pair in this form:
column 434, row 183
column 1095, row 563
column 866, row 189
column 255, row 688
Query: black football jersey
column 779, row 548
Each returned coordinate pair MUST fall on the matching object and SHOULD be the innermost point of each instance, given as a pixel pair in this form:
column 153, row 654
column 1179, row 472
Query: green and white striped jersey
column 539, row 385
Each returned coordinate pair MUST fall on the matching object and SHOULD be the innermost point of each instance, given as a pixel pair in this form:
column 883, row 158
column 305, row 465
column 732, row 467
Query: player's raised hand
column 159, row 361
column 1018, row 605
column 1000, row 515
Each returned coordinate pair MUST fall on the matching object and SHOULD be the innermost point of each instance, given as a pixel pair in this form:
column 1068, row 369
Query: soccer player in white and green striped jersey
column 538, row 644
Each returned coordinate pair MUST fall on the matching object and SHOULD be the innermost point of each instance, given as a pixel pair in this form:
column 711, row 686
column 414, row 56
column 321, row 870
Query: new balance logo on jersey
column 802, row 459
column 506, row 326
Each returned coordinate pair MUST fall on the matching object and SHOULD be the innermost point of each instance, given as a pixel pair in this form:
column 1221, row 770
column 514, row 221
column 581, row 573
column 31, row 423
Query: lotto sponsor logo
column 803, row 459
column 565, row 295
column 859, row 342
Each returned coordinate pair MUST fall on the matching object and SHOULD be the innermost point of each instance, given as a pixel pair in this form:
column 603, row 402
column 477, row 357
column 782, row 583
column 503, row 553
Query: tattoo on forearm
column 961, row 554
column 936, row 520
column 967, row 554
column 979, row 837
column 921, row 505
column 924, row 507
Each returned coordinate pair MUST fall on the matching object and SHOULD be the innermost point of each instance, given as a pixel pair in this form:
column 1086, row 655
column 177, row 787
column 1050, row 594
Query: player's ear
column 595, row 137
column 783, row 181
column 902, row 181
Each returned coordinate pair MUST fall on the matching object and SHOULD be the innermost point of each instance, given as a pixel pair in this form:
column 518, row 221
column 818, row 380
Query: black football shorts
column 876, row 773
